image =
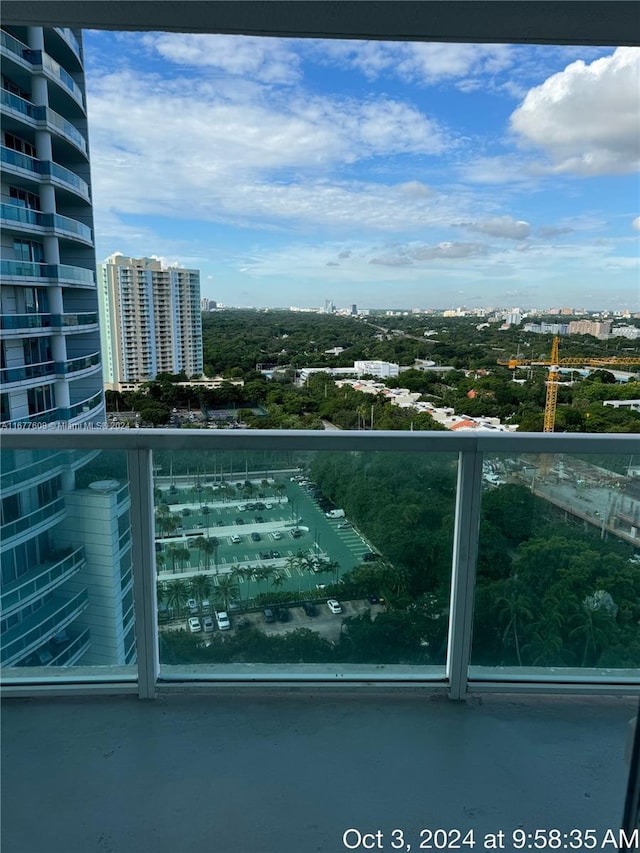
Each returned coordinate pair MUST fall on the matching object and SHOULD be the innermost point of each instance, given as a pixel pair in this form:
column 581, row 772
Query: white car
column 207, row 624
column 223, row 621
column 192, row 604
column 276, row 534
column 268, row 506
column 334, row 606
column 206, row 604
column 235, row 539
column 194, row 625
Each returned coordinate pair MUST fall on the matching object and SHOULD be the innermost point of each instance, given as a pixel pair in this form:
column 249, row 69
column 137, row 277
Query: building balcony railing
column 43, row 116
column 56, row 72
column 67, row 34
column 84, row 407
column 59, row 174
column 73, row 365
column 57, row 273
column 44, row 517
column 38, row 581
column 26, row 372
column 41, row 625
column 11, row 46
column 436, row 525
column 74, row 321
column 25, row 322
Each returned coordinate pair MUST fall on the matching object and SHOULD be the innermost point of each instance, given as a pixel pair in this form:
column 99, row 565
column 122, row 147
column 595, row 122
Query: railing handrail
column 418, row 442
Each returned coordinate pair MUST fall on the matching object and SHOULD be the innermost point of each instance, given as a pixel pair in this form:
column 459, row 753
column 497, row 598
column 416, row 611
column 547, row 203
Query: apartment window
column 40, row 399
column 48, row 491
column 36, row 300
column 16, row 143
column 12, row 87
column 24, row 198
column 10, row 508
column 29, row 250
column 37, row 350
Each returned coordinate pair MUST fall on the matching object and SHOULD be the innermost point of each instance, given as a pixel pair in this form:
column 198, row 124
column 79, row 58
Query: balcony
column 66, row 33
column 39, row 115
column 21, row 164
column 74, row 365
column 34, row 583
column 25, row 322
column 54, row 71
column 26, row 373
column 63, row 274
column 35, row 522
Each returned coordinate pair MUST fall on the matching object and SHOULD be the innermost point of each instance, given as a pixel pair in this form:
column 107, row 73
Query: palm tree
column 201, row 587
column 227, row 589
column 201, row 544
column 161, row 593
column 160, row 561
column 514, row 605
column 183, row 555
column 177, row 594
column 205, row 516
column 280, row 488
column 246, row 573
column 173, row 552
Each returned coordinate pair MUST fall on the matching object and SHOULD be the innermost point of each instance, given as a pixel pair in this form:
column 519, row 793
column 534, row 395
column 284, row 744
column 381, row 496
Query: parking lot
column 274, row 530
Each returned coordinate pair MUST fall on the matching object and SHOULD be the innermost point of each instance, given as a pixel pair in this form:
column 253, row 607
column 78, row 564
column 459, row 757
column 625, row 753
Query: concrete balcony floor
column 287, row 771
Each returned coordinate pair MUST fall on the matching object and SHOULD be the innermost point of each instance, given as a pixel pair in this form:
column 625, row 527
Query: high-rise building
column 150, row 320
column 65, row 550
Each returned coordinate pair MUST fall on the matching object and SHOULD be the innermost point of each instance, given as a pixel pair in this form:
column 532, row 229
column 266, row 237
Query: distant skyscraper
column 150, row 320
column 66, row 553
column 354, row 309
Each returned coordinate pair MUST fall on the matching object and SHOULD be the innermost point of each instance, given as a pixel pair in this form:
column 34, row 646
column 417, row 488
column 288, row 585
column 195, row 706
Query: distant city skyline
column 374, row 172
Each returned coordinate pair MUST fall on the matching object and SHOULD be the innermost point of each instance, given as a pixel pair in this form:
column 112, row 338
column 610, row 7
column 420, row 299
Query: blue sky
column 380, row 173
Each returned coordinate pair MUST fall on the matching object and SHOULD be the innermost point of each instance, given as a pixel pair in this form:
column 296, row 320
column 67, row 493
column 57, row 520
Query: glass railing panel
column 70, row 321
column 558, row 588
column 64, row 271
column 15, row 213
column 38, row 57
column 68, row 129
column 25, row 321
column 20, row 105
column 14, row 46
column 31, row 520
column 80, row 408
column 21, row 161
column 69, row 37
column 64, row 223
column 271, row 538
column 48, row 167
column 73, row 609
column 26, row 372
column 75, row 364
column 24, row 268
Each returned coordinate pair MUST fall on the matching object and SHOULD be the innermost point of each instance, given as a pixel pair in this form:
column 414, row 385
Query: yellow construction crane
column 554, row 364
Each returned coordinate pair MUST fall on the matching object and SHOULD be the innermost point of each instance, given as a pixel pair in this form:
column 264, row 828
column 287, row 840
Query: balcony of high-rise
column 474, row 688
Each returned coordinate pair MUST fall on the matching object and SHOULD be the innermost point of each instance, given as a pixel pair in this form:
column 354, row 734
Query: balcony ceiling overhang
column 603, row 22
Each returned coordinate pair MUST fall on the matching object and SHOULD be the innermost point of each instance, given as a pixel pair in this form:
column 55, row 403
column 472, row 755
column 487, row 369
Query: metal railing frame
column 471, row 446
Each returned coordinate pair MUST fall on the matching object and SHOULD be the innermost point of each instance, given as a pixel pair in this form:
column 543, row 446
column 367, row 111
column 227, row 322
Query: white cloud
column 586, row 118
column 500, row 226
column 417, row 62
column 636, row 223
column 443, row 251
column 269, row 60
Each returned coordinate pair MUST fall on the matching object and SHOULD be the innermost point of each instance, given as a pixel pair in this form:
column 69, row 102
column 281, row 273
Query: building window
column 12, row 87
column 16, row 143
column 24, row 198
column 36, row 350
column 29, row 250
column 40, row 399
column 10, row 508
column 36, row 300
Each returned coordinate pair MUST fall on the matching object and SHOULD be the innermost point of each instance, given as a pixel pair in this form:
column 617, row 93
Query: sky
column 385, row 174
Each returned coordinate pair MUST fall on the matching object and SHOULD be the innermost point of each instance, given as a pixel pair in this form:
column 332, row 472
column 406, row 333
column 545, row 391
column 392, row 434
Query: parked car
column 265, row 555
column 206, row 604
column 239, row 520
column 269, row 615
column 276, row 534
column 194, row 624
column 369, row 557
column 282, row 614
column 192, row 604
column 223, row 621
column 260, row 505
column 207, row 624
column 309, row 608
column 259, row 519
column 296, row 534
column 235, row 539
column 275, row 555
column 250, row 507
column 256, row 537
column 334, row 606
